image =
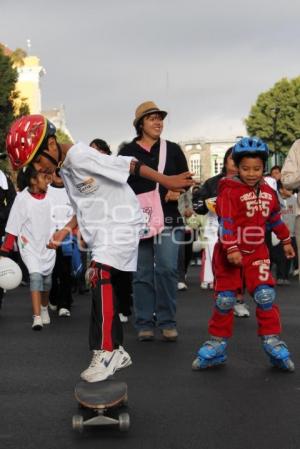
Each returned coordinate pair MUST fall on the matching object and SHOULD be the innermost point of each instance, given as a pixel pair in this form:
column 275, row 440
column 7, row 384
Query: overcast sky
column 203, row 61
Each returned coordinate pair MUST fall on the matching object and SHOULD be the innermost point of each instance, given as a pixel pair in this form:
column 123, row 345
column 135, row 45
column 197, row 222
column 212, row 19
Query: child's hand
column 57, row 238
column 178, row 182
column 235, row 258
column 188, row 212
column 172, row 196
column 289, row 251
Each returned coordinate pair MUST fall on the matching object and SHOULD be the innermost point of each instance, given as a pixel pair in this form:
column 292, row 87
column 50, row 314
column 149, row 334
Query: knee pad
column 225, row 301
column 264, row 296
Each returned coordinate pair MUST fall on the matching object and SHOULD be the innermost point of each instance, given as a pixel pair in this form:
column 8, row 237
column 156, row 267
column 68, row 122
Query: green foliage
column 5, row 166
column 62, row 137
column 23, row 108
column 8, row 97
column 8, row 79
column 275, row 117
column 18, row 56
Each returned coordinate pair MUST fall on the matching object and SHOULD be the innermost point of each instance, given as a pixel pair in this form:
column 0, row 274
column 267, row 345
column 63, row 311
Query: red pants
column 105, row 327
column 255, row 271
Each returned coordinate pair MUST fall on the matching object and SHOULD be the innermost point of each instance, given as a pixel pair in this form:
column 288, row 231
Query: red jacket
column 244, row 213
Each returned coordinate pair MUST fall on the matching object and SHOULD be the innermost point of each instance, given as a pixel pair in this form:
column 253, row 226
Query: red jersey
column 244, row 213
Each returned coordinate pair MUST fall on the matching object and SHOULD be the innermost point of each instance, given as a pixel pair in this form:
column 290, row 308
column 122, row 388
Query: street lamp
column 274, row 117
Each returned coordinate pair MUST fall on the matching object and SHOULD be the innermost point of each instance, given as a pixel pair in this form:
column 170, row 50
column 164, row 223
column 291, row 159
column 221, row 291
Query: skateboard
column 101, row 398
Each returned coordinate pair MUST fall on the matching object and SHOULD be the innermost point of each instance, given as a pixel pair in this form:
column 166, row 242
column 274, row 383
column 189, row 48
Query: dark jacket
column 175, row 164
column 208, row 190
column 6, row 200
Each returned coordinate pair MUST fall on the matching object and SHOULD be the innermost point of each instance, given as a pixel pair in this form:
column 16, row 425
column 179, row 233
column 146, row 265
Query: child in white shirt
column 29, row 221
column 109, row 218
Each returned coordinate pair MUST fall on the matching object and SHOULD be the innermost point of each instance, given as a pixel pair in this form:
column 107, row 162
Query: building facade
column 205, row 157
column 28, row 84
column 58, row 117
column 30, row 72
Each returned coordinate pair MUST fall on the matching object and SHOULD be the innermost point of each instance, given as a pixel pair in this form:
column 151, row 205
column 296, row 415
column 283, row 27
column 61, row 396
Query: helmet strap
column 55, row 162
column 59, row 161
column 50, row 158
column 57, row 171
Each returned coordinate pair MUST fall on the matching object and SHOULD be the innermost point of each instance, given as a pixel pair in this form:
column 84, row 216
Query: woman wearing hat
column 155, row 282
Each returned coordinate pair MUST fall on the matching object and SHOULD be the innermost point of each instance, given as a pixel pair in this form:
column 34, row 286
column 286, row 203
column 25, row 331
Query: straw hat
column 148, row 107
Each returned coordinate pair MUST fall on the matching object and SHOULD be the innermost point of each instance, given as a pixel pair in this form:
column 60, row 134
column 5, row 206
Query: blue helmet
column 250, row 146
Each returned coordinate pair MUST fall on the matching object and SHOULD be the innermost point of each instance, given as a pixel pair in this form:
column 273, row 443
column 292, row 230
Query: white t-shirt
column 288, row 212
column 271, row 182
column 61, row 211
column 30, row 221
column 107, row 210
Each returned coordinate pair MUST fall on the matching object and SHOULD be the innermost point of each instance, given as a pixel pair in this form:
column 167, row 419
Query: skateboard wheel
column 124, row 422
column 125, row 400
column 77, row 423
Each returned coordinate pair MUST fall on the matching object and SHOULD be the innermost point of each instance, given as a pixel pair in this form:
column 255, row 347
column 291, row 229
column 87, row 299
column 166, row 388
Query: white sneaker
column 123, row 318
column 125, row 359
column 52, row 307
column 45, row 315
column 241, row 310
column 182, row 286
column 37, row 324
column 64, row 312
column 204, row 285
column 103, row 365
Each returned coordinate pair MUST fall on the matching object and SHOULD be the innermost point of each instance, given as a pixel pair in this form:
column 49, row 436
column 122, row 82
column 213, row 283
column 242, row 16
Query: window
column 217, row 165
column 195, row 164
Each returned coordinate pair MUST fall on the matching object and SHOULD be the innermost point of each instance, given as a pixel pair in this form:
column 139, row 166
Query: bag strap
column 162, row 158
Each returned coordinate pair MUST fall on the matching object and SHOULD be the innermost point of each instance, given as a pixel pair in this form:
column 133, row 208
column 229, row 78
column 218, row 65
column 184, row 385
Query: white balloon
column 197, row 246
column 10, row 274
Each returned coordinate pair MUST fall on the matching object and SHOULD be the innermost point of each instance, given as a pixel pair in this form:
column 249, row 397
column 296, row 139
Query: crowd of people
column 131, row 224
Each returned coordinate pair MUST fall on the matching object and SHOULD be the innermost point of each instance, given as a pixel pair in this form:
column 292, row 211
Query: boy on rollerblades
column 245, row 205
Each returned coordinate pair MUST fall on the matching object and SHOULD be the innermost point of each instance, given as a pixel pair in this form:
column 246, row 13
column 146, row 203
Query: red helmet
column 25, row 138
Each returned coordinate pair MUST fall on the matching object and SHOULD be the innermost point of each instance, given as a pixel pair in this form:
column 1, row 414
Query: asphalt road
column 245, row 404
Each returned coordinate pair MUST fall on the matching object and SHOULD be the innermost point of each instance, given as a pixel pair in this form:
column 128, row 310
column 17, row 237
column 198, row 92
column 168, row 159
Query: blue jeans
column 40, row 283
column 155, row 281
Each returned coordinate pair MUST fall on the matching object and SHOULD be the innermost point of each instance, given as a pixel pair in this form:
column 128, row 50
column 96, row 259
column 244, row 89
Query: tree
column 275, row 117
column 18, row 56
column 62, row 137
column 8, row 79
column 8, row 97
